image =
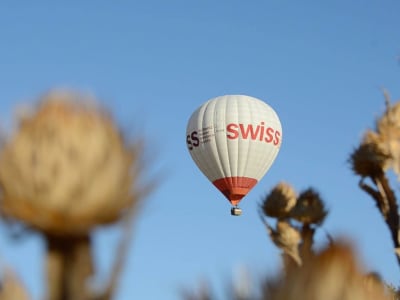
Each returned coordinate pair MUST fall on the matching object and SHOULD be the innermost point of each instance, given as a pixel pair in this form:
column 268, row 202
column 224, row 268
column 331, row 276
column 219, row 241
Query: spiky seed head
column 12, row 287
column 333, row 274
column 309, row 208
column 287, row 238
column 279, row 201
column 390, row 119
column 388, row 129
column 286, row 235
column 67, row 167
column 372, row 157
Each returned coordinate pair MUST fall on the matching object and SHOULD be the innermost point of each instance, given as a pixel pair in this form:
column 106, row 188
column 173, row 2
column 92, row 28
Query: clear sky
column 320, row 64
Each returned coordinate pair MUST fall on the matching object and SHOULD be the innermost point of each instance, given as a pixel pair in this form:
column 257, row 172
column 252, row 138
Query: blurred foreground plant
column 379, row 152
column 65, row 171
column 11, row 287
column 332, row 274
column 306, row 209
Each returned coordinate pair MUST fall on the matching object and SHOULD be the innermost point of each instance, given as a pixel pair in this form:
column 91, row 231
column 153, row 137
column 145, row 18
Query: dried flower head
column 287, row 238
column 309, row 208
column 372, row 157
column 67, row 168
column 332, row 275
column 279, row 201
column 11, row 287
column 388, row 129
column 390, row 119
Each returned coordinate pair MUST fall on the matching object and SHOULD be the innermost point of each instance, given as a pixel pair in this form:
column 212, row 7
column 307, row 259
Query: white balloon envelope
column 234, row 140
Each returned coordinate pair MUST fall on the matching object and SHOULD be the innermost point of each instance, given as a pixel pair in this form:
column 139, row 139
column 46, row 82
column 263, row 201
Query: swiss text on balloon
column 259, row 132
column 235, row 131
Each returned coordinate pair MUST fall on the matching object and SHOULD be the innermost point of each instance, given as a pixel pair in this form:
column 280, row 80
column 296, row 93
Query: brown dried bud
column 309, row 208
column 334, row 274
column 388, row 128
column 280, row 201
column 390, row 120
column 67, row 168
column 11, row 287
column 372, row 157
column 287, row 238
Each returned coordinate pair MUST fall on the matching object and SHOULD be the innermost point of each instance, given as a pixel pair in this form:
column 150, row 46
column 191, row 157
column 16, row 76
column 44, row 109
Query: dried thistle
column 11, row 287
column 333, row 274
column 388, row 128
column 378, row 152
column 67, row 168
column 309, row 208
column 380, row 149
column 389, row 122
column 279, row 201
column 371, row 158
column 287, row 238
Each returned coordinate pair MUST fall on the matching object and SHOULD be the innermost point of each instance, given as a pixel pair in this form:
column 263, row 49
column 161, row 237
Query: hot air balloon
column 234, row 139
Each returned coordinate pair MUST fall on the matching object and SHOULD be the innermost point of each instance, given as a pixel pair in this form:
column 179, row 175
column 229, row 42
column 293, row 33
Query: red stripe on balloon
column 235, row 188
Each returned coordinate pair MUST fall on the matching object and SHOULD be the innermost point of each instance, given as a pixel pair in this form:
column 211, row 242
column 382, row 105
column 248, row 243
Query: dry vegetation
column 66, row 170
column 68, row 150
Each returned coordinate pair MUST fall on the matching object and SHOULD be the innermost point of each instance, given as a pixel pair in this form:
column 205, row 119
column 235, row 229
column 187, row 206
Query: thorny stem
column 120, row 257
column 376, row 196
column 122, row 252
column 385, row 200
column 307, row 236
column 123, row 247
column 69, row 265
column 289, row 259
column 392, row 218
column 289, row 262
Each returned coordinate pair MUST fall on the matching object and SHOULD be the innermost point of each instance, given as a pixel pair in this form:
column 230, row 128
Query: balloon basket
column 236, row 211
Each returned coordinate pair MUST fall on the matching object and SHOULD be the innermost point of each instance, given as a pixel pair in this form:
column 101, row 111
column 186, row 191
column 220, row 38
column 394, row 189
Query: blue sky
column 320, row 65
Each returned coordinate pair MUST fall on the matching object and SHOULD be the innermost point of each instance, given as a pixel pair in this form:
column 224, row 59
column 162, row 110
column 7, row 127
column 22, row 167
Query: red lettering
column 269, row 134
column 262, row 131
column 277, row 137
column 249, row 130
column 233, row 133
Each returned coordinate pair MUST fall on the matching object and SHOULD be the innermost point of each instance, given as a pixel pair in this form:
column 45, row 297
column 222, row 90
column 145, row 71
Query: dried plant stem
column 69, row 266
column 375, row 195
column 386, row 202
column 289, row 262
column 290, row 258
column 120, row 256
column 307, row 236
column 392, row 218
